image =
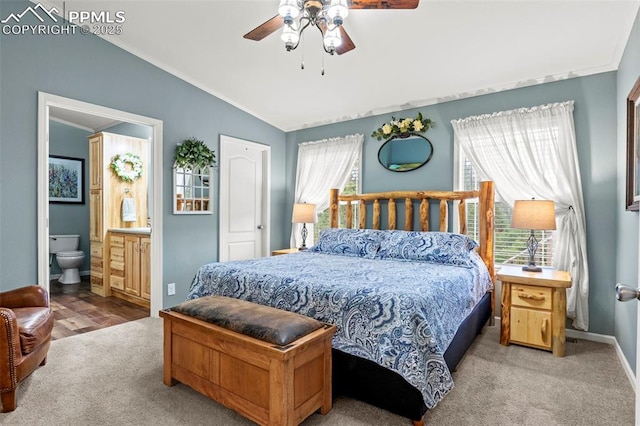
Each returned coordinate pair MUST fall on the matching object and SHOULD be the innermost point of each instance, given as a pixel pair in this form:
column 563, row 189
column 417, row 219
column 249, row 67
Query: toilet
column 69, row 258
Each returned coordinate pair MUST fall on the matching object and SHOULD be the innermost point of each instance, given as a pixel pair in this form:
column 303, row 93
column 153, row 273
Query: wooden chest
column 269, row 384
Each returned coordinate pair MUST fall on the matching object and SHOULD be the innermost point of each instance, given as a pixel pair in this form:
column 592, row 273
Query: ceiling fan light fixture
column 332, row 39
column 289, row 10
column 337, row 11
column 324, row 15
column 290, row 37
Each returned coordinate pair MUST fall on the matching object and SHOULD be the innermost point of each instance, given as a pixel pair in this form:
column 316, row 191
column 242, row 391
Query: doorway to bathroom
column 61, row 111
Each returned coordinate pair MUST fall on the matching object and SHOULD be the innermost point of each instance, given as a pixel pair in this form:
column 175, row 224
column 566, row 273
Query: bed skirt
column 369, row 382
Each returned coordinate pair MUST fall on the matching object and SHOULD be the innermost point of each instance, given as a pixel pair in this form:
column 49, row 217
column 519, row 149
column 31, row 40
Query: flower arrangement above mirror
column 403, row 126
column 193, row 153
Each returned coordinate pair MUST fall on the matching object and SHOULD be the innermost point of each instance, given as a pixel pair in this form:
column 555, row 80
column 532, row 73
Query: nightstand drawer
column 531, row 327
column 531, row 296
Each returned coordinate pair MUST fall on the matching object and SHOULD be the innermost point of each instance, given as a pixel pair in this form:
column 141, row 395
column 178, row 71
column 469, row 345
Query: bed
column 406, row 304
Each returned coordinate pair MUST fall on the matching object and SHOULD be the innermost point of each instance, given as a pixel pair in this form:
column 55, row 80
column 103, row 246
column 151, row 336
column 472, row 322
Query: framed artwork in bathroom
column 66, row 179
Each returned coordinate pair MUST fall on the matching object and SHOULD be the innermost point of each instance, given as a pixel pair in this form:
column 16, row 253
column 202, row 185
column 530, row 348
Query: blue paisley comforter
column 400, row 314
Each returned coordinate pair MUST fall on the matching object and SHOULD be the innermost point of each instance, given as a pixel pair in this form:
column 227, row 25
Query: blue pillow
column 348, row 242
column 436, row 247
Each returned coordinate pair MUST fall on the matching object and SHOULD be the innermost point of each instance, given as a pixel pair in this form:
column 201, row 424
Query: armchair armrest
column 9, row 349
column 31, row 296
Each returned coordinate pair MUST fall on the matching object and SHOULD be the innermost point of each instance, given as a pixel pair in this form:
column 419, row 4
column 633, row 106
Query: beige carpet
column 114, row 377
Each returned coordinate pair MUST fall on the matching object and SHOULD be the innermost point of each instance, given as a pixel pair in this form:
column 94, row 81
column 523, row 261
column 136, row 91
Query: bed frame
column 368, row 381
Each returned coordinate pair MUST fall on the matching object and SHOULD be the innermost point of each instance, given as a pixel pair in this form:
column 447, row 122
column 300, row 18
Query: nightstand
column 284, row 251
column 534, row 308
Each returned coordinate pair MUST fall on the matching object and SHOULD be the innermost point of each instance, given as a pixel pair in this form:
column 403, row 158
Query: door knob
column 625, row 293
column 260, row 227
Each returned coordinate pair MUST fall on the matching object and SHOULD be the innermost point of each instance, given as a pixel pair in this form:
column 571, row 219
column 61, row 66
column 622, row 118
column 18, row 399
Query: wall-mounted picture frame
column 633, row 151
column 66, row 179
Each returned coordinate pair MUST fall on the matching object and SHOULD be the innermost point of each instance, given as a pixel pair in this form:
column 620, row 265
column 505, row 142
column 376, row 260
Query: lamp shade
column 534, row 215
column 304, row 213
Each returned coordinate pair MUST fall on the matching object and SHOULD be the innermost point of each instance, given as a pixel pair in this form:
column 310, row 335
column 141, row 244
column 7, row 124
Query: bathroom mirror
column 403, row 153
column 192, row 191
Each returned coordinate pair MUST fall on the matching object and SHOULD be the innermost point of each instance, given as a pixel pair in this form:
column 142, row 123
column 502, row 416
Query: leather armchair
column 26, row 321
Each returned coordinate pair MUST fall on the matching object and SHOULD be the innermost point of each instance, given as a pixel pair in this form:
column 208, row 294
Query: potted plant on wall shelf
column 192, row 154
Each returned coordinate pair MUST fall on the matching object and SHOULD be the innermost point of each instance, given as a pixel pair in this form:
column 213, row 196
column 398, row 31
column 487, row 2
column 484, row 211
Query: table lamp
column 533, row 215
column 304, row 213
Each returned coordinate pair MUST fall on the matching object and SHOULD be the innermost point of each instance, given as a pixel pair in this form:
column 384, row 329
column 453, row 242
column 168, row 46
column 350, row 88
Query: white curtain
column 323, row 165
column 531, row 152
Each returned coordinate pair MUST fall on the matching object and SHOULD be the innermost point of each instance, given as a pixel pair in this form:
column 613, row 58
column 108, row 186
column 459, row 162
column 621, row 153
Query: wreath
column 128, row 167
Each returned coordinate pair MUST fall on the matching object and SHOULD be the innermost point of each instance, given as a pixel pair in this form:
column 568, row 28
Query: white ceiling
column 89, row 122
column 442, row 50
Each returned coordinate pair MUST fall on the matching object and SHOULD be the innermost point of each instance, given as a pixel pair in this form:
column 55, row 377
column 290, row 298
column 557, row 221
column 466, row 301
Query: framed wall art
column 633, row 153
column 66, row 179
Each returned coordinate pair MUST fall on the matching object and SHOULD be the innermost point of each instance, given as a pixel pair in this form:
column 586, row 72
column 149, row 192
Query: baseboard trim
column 593, row 337
column 611, row 340
column 601, row 338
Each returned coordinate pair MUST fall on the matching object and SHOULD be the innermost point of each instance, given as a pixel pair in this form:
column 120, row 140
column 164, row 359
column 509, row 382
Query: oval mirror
column 405, row 153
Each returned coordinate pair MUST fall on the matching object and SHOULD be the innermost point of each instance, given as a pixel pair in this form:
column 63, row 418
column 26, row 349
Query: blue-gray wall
column 69, row 141
column 92, row 70
column 627, row 230
column 595, row 122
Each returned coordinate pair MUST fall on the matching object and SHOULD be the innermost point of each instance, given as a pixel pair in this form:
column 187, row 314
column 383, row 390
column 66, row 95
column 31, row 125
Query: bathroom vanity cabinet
column 137, row 252
column 130, row 267
column 116, row 262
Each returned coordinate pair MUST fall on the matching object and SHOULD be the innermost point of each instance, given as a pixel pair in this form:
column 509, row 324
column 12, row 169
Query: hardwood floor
column 76, row 310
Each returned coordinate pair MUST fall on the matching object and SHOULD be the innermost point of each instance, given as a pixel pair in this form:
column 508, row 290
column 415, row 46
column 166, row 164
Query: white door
column 625, row 293
column 244, row 199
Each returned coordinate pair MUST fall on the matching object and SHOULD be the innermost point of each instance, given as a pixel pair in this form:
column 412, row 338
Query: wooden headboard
column 485, row 195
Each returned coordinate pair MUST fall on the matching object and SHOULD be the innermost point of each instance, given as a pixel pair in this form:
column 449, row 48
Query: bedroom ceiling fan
column 326, row 15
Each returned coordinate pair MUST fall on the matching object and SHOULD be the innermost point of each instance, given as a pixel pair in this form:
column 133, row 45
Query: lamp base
column 532, row 246
column 532, row 268
column 304, row 237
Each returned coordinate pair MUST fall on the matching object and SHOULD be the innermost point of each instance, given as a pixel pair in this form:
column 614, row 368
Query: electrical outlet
column 171, row 289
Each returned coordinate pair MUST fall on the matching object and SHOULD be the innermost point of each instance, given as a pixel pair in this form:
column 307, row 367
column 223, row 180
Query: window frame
column 315, row 231
column 458, row 184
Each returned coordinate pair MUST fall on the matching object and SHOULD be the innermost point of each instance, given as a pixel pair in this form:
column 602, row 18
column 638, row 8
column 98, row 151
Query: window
column 352, row 187
column 510, row 245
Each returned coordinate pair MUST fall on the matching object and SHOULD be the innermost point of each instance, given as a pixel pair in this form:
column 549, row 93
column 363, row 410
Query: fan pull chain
column 322, row 68
column 302, row 53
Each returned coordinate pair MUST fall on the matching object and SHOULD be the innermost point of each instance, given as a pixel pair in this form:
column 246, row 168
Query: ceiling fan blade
column 261, row 31
column 384, row 4
column 347, row 43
